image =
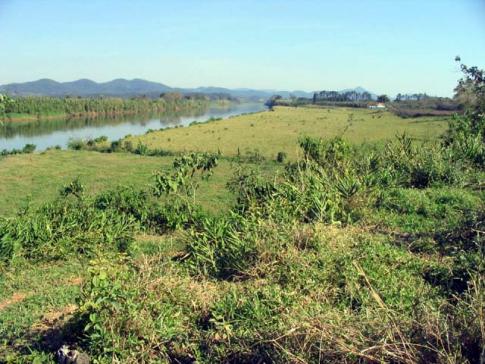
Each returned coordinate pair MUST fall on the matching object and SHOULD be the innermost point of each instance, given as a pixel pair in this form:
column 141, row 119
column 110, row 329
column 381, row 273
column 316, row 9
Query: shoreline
column 191, row 116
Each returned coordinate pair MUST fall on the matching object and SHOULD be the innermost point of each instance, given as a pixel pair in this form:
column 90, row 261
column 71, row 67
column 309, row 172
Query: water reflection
column 46, row 133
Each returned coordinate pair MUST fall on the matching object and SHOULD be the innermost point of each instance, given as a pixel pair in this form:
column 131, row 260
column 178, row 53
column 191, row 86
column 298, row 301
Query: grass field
column 345, row 257
column 272, row 132
column 36, row 178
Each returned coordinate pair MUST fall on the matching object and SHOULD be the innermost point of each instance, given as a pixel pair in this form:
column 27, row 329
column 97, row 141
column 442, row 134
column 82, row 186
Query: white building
column 379, row 105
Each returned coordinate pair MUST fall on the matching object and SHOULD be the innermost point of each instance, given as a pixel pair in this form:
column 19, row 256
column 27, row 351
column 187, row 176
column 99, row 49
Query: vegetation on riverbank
column 32, row 108
column 348, row 252
column 35, row 127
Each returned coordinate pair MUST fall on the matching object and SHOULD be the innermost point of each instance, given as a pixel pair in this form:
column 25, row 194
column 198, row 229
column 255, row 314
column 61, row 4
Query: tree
column 6, row 104
column 472, row 124
column 383, row 98
column 272, row 101
column 470, row 90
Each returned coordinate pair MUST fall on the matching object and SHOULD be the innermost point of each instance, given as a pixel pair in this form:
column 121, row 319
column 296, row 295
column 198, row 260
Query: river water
column 48, row 133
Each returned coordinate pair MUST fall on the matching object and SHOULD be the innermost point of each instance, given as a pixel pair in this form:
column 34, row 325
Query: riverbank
column 62, row 115
column 57, row 130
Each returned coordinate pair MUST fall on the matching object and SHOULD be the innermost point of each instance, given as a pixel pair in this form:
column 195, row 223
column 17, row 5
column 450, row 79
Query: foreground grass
column 274, row 131
column 343, row 294
column 37, row 301
column 34, row 299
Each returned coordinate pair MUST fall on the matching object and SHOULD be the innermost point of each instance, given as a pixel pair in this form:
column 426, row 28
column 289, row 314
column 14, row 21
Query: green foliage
column 383, row 98
column 141, row 149
column 63, row 228
column 181, row 179
column 73, row 188
column 101, row 139
column 221, row 247
column 112, row 292
column 466, row 135
column 6, row 103
column 128, row 201
column 42, row 105
column 27, row 149
column 76, row 144
column 242, row 316
column 421, row 166
column 327, row 153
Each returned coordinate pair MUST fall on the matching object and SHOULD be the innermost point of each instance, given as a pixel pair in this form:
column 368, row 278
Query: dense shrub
column 66, row 227
column 114, row 291
column 76, row 144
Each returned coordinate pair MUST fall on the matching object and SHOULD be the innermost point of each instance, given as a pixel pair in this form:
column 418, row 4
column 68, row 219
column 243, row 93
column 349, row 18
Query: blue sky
column 385, row 46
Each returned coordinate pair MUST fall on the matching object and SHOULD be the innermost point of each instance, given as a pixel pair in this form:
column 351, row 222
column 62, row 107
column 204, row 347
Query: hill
column 85, row 87
column 128, row 88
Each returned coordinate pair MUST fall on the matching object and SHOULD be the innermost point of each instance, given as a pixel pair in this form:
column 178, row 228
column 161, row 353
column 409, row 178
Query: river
column 49, row 133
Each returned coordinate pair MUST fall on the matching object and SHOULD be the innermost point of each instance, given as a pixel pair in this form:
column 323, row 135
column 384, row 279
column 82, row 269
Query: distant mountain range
column 129, row 88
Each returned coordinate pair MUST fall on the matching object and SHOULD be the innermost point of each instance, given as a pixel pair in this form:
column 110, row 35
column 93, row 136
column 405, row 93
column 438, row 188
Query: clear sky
column 386, row 46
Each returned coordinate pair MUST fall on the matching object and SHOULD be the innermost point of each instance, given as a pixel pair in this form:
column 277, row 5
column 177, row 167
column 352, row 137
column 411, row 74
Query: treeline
column 411, row 97
column 351, row 96
column 426, row 106
column 42, row 105
column 404, row 105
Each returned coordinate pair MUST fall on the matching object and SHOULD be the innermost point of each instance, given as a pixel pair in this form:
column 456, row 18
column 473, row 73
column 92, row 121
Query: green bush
column 221, row 248
column 28, row 148
column 249, row 319
column 140, row 149
column 66, row 227
column 76, row 144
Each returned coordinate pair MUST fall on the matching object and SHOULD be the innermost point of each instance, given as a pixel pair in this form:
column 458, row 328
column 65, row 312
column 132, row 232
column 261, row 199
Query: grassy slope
column 271, row 132
column 38, row 295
